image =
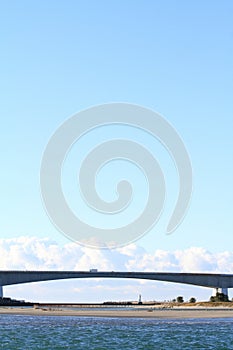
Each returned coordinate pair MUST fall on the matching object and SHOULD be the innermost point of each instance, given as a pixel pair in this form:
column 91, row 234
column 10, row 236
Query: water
column 63, row 332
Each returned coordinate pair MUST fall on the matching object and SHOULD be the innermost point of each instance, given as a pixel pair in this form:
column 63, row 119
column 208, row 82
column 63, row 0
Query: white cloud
column 32, row 253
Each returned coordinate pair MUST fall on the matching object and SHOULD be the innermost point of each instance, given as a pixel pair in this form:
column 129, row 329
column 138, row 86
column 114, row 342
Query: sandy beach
column 177, row 313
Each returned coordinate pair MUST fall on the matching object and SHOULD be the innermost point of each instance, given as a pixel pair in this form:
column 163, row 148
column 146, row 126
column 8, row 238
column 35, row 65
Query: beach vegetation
column 180, row 299
column 192, row 300
column 219, row 297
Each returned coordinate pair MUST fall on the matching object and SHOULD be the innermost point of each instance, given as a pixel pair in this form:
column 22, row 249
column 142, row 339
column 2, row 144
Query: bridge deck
column 199, row 279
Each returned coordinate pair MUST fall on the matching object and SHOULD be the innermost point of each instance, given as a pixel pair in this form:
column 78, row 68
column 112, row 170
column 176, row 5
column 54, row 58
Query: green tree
column 192, row 300
column 219, row 297
column 180, row 299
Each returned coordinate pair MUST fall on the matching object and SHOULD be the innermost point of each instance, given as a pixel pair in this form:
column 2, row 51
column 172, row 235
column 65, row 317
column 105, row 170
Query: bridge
column 220, row 282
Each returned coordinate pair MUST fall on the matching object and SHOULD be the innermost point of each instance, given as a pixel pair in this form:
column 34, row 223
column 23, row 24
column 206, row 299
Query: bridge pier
column 1, row 292
column 220, row 290
column 224, row 291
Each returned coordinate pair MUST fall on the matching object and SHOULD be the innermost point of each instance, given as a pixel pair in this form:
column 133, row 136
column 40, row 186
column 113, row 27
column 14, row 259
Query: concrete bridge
column 221, row 282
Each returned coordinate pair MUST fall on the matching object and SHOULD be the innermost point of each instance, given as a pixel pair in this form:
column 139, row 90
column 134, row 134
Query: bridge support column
column 1, row 292
column 224, row 291
column 220, row 291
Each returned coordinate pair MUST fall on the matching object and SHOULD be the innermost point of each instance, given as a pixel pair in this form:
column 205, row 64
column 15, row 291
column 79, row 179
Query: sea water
column 66, row 332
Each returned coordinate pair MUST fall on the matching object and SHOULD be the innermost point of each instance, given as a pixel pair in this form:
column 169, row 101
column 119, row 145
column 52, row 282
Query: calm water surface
column 63, row 332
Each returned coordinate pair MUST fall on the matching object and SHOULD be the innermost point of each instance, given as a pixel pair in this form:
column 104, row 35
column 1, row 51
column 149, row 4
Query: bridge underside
column 217, row 281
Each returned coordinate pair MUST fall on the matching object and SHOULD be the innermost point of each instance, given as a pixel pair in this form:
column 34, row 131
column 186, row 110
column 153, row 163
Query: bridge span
column 218, row 281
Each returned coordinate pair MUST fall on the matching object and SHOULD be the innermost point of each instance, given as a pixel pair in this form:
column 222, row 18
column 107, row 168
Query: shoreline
column 165, row 313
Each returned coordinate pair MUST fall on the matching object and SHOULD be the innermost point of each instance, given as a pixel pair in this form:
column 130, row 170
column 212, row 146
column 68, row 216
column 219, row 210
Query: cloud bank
column 32, row 253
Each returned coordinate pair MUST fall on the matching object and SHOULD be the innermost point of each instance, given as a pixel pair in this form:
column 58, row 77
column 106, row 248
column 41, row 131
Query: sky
column 58, row 58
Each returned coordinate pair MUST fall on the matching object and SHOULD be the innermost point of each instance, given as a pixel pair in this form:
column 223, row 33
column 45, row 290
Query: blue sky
column 176, row 58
